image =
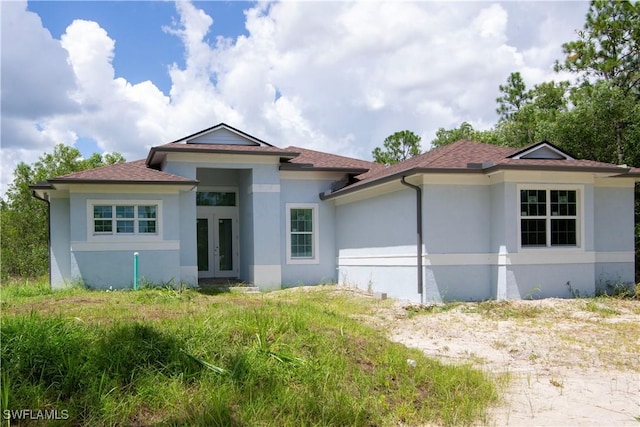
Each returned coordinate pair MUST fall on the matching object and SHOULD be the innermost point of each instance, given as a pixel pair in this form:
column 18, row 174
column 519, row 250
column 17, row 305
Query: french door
column 217, row 237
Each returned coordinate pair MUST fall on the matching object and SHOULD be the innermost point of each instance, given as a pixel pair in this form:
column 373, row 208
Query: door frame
column 212, row 214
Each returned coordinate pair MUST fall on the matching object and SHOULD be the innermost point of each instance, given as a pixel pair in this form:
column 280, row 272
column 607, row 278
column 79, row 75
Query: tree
column 398, row 147
column 514, row 97
column 608, row 50
column 24, row 221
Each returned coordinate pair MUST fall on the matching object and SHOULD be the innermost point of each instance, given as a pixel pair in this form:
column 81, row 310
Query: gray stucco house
column 468, row 221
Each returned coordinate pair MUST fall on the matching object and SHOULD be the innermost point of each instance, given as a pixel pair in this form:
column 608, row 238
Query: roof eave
column 311, row 168
column 557, row 168
column 121, row 182
column 394, row 177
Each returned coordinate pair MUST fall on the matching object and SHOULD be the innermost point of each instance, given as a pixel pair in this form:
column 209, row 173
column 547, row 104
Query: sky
column 333, row 76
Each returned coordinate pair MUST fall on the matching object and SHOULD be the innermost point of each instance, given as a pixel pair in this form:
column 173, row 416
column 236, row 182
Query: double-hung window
column 302, row 233
column 125, row 219
column 548, row 217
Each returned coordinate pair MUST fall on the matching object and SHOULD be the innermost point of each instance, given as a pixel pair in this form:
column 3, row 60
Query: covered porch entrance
column 218, row 242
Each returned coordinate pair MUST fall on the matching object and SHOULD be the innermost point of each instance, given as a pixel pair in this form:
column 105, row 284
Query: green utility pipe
column 135, row 271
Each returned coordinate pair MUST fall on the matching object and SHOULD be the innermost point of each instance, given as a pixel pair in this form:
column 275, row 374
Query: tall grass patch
column 289, row 358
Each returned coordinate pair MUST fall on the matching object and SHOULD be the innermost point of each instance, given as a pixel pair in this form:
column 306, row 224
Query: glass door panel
column 225, row 245
column 203, row 244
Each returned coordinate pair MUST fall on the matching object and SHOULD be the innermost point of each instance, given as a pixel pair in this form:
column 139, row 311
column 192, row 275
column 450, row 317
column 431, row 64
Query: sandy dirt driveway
column 567, row 362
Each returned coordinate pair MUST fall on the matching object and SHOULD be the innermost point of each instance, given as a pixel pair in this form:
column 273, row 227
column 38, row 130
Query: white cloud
column 335, row 76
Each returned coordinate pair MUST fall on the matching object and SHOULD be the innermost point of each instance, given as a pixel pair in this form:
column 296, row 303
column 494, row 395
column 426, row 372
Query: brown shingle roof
column 474, row 157
column 318, row 160
column 123, row 173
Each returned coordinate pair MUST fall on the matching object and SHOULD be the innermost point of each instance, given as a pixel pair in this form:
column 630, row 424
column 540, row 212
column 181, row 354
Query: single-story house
column 467, row 221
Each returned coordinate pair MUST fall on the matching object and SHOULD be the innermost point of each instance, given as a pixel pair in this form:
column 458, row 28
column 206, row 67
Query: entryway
column 217, row 234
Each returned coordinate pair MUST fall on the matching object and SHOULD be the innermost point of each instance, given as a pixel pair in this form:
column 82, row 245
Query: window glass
column 103, row 226
column 146, row 211
column 548, row 217
column 563, row 203
column 124, row 226
column 124, row 212
column 534, row 232
column 533, row 202
column 146, row 226
column 301, row 220
column 563, row 232
column 215, row 198
column 128, row 219
column 301, row 229
column 102, row 219
column 301, row 245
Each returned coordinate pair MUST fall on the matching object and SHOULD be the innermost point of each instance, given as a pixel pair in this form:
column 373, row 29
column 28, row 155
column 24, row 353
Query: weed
column 556, row 383
column 595, row 307
column 165, row 356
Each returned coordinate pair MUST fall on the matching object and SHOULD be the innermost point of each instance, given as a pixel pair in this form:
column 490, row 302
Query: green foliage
column 23, row 218
column 514, row 96
column 398, row 147
column 608, row 48
column 286, row 358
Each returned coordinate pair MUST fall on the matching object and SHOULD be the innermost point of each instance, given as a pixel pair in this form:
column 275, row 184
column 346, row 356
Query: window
column 302, row 233
column 215, row 198
column 548, row 217
column 125, row 219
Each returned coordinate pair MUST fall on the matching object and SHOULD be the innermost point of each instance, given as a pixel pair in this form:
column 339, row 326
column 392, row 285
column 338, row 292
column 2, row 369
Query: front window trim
column 124, row 220
column 315, row 233
column 549, row 216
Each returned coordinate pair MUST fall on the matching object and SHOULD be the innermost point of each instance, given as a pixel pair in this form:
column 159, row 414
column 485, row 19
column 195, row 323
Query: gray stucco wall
column 307, row 191
column 613, row 223
column 105, row 269
column 259, row 210
column 60, row 230
column 472, row 247
column 376, row 243
column 614, row 218
column 109, row 264
column 545, row 281
column 456, row 219
column 246, row 225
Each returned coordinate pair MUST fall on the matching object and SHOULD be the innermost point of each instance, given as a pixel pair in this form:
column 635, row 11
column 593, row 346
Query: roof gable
column 541, row 150
column 222, row 134
column 471, row 157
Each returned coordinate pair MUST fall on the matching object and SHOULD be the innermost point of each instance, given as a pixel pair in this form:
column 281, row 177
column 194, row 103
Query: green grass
column 180, row 357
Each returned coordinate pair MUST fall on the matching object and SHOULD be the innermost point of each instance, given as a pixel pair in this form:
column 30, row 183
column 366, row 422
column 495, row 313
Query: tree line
column 24, row 224
column 596, row 117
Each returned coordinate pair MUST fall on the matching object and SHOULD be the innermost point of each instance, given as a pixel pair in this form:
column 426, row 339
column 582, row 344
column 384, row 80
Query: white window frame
column 136, row 236
column 579, row 217
column 315, row 258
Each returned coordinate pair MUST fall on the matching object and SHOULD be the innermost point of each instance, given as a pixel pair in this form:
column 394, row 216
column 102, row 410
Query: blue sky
column 143, row 50
column 333, row 76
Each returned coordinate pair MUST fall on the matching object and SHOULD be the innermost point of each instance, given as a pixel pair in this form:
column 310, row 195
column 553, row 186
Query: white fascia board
column 311, row 175
column 221, row 158
column 543, row 177
column 455, row 179
column 128, row 188
column 613, row 182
